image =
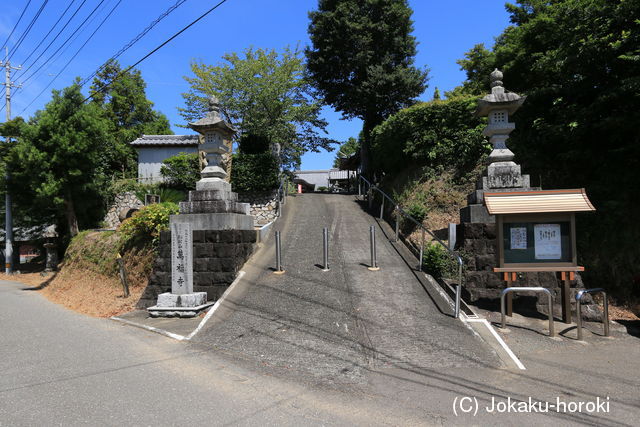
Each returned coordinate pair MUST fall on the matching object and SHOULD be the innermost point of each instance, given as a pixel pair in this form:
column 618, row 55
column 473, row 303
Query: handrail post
column 605, row 313
column 504, row 293
column 421, row 252
column 382, row 208
column 456, row 311
column 397, row 222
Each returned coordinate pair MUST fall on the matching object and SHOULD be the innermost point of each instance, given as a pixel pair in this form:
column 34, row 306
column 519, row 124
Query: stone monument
column 213, row 215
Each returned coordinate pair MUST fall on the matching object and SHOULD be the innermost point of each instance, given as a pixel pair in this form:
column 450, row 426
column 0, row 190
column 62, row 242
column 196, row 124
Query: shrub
column 436, row 134
column 144, row 227
column 417, row 210
column 322, row 189
column 181, row 171
column 254, row 172
column 436, row 261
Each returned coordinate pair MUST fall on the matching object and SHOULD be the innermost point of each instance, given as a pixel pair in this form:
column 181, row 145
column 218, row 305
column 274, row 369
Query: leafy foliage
column 130, row 115
column 144, row 226
column 181, row 171
column 56, row 164
column 362, row 59
column 263, row 93
column 254, row 172
column 436, row 134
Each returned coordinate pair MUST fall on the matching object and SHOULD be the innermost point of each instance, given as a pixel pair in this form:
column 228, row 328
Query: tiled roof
column 170, row 140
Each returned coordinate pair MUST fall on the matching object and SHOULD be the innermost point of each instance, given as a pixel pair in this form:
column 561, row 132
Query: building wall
column 318, row 178
column 150, row 160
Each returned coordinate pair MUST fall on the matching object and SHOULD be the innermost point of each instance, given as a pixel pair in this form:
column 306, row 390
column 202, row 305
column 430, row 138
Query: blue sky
column 444, row 30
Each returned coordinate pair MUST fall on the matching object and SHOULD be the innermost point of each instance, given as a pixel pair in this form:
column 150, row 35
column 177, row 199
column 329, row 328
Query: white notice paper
column 547, row 241
column 519, row 238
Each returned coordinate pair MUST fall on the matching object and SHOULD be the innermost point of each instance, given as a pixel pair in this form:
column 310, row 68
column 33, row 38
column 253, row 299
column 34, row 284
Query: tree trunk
column 70, row 212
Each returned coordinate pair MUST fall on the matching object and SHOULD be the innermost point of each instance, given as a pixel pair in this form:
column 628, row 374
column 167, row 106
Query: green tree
column 181, row 171
column 347, row 149
column 56, row 163
column 262, row 92
column 130, row 113
column 478, row 63
column 362, row 60
column 437, row 134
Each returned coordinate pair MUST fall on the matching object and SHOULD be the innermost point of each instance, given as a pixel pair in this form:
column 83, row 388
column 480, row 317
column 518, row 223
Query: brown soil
column 85, row 292
column 88, row 281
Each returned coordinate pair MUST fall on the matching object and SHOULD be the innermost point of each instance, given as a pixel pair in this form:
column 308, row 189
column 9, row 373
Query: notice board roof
column 521, row 202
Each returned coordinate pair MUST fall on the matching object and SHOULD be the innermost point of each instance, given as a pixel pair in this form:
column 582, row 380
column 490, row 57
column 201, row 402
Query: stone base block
column 214, row 206
column 210, row 195
column 184, row 300
column 184, row 305
column 212, row 184
column 476, row 214
column 216, row 221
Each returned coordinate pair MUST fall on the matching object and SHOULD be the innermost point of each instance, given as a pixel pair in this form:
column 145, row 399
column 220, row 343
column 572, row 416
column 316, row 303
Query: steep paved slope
column 338, row 324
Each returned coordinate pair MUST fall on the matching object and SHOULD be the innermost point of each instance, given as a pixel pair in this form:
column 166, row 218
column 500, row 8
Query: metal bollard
column 325, row 248
column 279, row 269
column 374, row 259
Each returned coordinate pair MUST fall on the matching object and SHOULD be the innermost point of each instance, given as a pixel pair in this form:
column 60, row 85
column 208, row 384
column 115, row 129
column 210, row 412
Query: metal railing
column 366, row 187
column 605, row 314
column 504, row 293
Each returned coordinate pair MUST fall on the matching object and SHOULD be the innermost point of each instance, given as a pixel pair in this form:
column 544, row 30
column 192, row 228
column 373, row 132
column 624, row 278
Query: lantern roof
column 212, row 120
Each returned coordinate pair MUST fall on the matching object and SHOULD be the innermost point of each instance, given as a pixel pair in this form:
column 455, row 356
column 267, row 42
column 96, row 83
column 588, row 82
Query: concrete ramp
column 340, row 323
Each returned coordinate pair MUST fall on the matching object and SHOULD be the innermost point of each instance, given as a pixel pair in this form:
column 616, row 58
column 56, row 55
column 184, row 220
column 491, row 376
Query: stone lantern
column 217, row 145
column 51, row 261
column 502, row 173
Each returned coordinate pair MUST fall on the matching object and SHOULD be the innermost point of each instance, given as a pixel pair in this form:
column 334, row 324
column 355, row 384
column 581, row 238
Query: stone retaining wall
column 217, row 257
column 264, row 206
column 121, row 208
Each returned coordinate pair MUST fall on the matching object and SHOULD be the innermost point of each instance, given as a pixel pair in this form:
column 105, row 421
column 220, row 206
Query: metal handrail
column 504, row 293
column 453, row 254
column 605, row 315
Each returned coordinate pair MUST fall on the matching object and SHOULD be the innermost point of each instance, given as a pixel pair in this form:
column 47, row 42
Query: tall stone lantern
column 212, row 235
column 502, row 173
column 217, row 145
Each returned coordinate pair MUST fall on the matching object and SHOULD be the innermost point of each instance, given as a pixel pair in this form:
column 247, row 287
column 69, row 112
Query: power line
column 52, row 41
column 135, row 39
column 74, row 55
column 15, row 26
column 121, row 73
column 29, row 27
column 52, row 28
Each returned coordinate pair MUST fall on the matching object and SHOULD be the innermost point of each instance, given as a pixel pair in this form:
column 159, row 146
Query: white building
column 154, row 149
column 315, row 179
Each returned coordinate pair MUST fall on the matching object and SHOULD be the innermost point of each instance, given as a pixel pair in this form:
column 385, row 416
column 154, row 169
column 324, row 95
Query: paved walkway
column 335, row 325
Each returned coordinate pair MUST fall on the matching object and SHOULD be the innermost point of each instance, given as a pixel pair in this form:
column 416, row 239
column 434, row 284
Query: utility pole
column 8, row 220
